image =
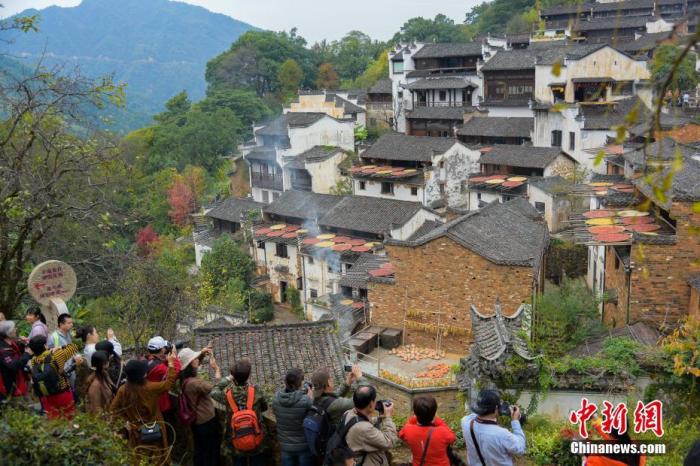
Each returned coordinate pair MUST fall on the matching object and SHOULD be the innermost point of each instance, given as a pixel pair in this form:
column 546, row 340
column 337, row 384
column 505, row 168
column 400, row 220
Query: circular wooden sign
column 52, row 279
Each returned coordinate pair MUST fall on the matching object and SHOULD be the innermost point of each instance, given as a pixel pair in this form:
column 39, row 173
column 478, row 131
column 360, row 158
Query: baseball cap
column 157, row 343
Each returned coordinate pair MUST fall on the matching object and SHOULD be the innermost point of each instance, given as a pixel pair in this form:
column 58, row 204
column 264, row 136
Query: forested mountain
column 157, row 47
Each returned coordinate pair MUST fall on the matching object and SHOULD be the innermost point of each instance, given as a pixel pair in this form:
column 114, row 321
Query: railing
column 442, row 104
column 301, row 185
column 379, row 105
column 262, row 180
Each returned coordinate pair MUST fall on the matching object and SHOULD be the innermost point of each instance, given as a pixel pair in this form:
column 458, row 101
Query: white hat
column 157, row 343
column 187, row 355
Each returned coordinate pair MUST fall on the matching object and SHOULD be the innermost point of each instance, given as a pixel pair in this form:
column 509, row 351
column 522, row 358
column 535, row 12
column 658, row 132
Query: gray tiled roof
column 383, row 86
column 427, row 227
column 263, row 154
column 440, row 83
column 663, row 150
column 348, row 107
column 566, row 9
column 438, row 113
column 510, row 233
column 397, row 146
column 274, row 349
column 520, row 156
column 614, row 23
column 302, row 204
column 498, row 127
column 369, row 214
column 604, row 117
column 551, row 184
column 685, row 184
column 522, row 59
column 358, row 274
column 280, row 125
column 456, row 49
column 624, row 5
column 231, row 209
column 320, row 153
column 645, row 43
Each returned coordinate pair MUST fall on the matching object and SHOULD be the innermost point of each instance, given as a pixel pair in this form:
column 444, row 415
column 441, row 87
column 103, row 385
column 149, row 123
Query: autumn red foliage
column 182, row 203
column 147, row 240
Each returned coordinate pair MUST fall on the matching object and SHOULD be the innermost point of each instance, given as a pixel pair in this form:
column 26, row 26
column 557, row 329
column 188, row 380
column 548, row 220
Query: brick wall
column 444, row 276
column 660, row 294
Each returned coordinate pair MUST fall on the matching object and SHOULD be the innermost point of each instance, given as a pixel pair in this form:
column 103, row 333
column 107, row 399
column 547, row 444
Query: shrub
column 29, row 439
column 566, row 315
column 294, row 299
column 261, row 308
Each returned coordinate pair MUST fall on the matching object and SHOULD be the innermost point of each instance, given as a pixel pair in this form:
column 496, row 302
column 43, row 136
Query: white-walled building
column 339, row 104
column 283, row 139
column 433, row 85
column 429, row 170
column 596, row 87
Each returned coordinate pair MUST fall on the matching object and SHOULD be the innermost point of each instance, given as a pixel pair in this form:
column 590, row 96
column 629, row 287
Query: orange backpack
column 246, row 434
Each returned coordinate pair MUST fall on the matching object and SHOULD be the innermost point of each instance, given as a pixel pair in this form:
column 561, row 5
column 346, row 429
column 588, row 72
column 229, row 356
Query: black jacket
column 290, row 408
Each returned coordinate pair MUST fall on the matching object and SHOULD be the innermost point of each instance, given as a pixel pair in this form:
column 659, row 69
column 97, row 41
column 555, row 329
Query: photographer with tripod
column 487, row 442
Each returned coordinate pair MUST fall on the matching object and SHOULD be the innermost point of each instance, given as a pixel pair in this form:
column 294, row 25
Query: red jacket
column 157, row 373
column 415, row 435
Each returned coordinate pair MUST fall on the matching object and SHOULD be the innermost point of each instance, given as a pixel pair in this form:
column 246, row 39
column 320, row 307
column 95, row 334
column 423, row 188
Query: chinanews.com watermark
column 611, row 429
column 596, row 447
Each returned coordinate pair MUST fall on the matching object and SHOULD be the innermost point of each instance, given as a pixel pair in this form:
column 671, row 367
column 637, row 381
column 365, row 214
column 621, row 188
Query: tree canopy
column 439, row 29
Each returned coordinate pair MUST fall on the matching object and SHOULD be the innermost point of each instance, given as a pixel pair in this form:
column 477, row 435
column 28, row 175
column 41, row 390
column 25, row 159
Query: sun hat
column 187, row 355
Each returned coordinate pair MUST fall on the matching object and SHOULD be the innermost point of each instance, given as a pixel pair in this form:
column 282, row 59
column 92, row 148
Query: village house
column 509, row 83
column 228, row 216
column 596, row 87
column 308, row 241
column 433, row 85
column 380, row 108
column 613, row 22
column 650, row 259
column 484, row 190
column 505, row 159
column 341, row 105
column 295, row 147
column 550, row 197
column 493, row 253
column 496, row 130
column 429, row 170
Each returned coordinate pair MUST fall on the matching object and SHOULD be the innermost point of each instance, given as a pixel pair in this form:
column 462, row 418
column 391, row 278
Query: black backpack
column 45, row 378
column 337, row 440
column 318, row 427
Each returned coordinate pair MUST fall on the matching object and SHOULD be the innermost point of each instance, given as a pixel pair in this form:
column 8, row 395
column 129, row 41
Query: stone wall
column 442, row 276
column 447, row 397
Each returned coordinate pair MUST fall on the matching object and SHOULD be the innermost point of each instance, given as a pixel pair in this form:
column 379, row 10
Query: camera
column 178, row 346
column 504, row 410
column 347, row 367
column 307, row 386
column 379, row 406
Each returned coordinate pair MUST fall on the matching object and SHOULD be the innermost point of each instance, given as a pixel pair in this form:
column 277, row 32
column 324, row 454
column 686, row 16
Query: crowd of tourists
column 317, row 423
